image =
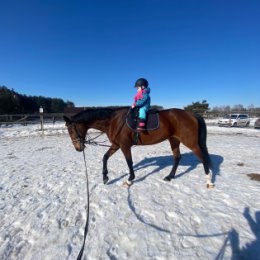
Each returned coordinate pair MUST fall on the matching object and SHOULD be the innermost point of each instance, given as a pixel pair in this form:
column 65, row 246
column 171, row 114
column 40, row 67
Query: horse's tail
column 203, row 140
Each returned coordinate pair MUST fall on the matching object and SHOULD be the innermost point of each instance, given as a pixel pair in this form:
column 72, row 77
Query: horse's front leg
column 106, row 156
column 175, row 143
column 128, row 156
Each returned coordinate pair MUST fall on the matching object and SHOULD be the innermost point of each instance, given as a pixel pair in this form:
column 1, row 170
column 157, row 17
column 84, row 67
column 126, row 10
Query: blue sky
column 91, row 52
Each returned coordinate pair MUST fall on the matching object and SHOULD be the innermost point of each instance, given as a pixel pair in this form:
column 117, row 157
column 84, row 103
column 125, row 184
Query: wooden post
column 41, row 118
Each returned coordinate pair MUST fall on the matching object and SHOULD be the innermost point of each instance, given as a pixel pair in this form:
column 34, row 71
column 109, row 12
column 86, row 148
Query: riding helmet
column 141, row 82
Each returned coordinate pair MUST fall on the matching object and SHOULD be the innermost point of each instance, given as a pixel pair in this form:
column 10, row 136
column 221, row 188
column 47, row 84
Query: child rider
column 142, row 101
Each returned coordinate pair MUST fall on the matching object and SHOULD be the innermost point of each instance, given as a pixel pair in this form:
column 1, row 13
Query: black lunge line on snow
column 87, row 211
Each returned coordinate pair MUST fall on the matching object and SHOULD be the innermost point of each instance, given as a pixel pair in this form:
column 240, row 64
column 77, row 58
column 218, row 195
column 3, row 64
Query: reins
column 91, row 141
column 88, row 140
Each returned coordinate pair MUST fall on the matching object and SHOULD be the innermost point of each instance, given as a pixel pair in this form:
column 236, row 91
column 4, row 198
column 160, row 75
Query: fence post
column 41, row 118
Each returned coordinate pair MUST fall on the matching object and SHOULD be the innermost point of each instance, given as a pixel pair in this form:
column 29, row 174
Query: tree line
column 204, row 109
column 12, row 102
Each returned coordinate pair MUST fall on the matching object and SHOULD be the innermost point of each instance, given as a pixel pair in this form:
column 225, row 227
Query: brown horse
column 176, row 125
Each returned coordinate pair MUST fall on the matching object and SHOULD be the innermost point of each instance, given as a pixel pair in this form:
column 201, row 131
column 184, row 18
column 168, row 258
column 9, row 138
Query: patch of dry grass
column 254, row 176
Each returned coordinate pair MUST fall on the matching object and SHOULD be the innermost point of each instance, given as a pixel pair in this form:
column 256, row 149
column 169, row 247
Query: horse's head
column 77, row 132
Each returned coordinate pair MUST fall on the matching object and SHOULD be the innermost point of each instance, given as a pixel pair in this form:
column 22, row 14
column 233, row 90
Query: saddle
column 152, row 119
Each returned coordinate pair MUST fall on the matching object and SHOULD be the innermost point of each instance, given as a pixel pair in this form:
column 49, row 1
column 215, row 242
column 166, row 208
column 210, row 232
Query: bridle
column 79, row 138
column 88, row 140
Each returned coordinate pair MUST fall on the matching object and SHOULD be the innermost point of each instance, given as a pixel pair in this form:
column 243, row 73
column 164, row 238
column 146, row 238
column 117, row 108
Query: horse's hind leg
column 106, row 156
column 206, row 164
column 175, row 146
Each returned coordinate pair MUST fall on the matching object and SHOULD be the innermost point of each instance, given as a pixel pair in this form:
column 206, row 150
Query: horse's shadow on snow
column 162, row 162
column 188, row 159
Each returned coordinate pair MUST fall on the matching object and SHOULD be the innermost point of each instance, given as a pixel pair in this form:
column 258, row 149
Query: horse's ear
column 66, row 119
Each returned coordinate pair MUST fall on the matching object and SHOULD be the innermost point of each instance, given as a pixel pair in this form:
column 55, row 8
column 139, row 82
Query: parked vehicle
column 257, row 123
column 235, row 120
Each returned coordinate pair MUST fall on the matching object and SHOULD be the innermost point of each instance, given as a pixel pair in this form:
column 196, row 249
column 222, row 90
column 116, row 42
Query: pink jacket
column 138, row 96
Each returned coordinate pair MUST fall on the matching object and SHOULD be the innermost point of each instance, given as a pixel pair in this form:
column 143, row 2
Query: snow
column 43, row 199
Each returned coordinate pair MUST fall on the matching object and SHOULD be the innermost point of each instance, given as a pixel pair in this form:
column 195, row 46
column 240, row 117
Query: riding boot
column 141, row 125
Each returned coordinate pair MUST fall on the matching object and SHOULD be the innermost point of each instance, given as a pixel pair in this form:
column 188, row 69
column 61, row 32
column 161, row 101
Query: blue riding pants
column 142, row 112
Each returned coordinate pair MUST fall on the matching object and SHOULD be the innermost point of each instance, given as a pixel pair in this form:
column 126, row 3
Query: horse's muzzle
column 80, row 148
column 79, row 144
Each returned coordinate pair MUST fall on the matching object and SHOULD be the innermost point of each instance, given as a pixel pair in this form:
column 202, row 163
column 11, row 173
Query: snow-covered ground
column 43, row 199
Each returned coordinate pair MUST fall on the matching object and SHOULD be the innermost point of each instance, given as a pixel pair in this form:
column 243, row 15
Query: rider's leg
column 142, row 119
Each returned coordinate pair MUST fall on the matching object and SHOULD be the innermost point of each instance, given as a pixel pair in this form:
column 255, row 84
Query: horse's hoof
column 167, row 178
column 210, row 186
column 127, row 184
column 105, row 180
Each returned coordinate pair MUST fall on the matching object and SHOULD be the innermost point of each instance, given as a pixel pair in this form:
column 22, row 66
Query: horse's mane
column 97, row 113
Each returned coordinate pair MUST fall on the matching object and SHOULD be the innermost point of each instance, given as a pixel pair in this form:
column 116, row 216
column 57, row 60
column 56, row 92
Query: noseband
column 88, row 139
